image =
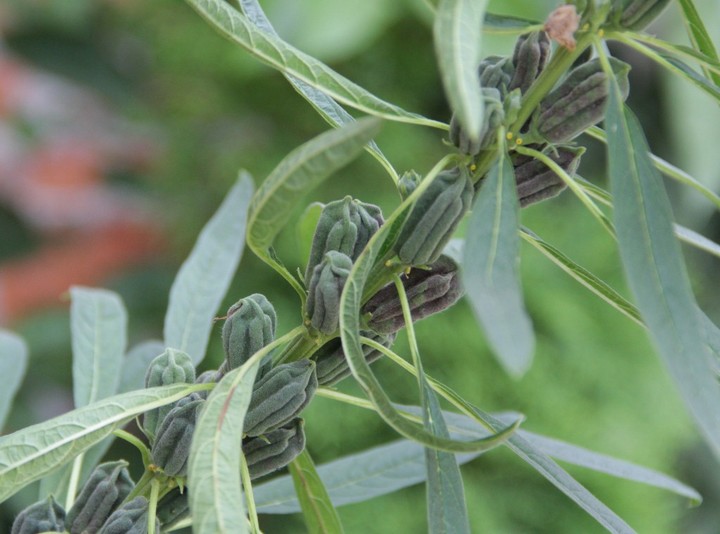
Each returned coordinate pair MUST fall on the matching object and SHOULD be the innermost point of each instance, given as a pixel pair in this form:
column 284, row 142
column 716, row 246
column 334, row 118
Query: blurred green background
column 210, row 109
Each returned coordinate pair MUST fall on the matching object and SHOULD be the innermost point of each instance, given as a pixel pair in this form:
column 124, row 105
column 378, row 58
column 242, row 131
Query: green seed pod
column 130, row 518
column 171, row 367
column 536, row 182
column 250, row 325
column 107, row 487
column 43, row 516
column 636, row 14
column 496, row 72
column 434, row 217
column 529, row 59
column 208, row 377
column 280, row 396
column 323, row 303
column 331, row 365
column 344, row 226
column 408, row 183
column 274, row 450
column 428, row 291
column 579, row 101
column 173, row 507
column 493, row 116
column 172, row 444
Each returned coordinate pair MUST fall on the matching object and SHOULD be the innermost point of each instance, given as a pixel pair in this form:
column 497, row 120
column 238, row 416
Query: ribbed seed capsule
column 173, row 507
column 344, row 226
column 208, row 377
column 579, row 101
column 130, row 518
column 428, row 291
column 171, row 367
column 529, row 59
column 107, row 487
column 537, row 182
column 636, row 14
column 326, row 284
column 493, row 116
column 434, row 217
column 249, row 326
column 274, row 450
column 172, row 445
column 496, row 72
column 43, row 516
column 331, row 365
column 280, row 396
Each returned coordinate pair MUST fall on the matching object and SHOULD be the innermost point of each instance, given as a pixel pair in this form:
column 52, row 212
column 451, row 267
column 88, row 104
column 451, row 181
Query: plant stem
column 249, row 498
column 74, row 481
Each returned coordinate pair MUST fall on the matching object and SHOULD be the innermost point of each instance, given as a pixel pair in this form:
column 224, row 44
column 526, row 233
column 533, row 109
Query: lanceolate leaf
column 205, row 275
column 699, row 35
column 491, row 269
column 317, row 508
column 216, row 498
column 274, row 52
column 456, row 33
column 508, row 24
column 98, row 322
column 655, row 269
column 13, row 362
column 35, row 451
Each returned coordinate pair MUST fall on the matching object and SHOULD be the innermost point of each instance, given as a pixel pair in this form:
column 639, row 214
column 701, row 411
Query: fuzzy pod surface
column 173, row 507
column 280, row 396
column 326, row 284
column 172, row 443
column 636, row 14
column 407, row 183
column 274, row 450
column 43, row 516
column 331, row 365
column 579, row 101
column 496, row 72
column 435, row 217
column 493, row 116
column 344, row 226
column 536, row 182
column 530, row 56
column 249, row 326
column 171, row 367
column 130, row 518
column 107, row 487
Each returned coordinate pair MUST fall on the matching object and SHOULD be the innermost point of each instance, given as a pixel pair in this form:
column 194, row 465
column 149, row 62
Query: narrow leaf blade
column 13, row 363
column 205, row 275
column 506, row 24
column 317, row 508
column 699, row 36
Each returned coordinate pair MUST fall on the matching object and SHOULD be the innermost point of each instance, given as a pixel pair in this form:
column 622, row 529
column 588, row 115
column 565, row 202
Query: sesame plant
column 213, row 445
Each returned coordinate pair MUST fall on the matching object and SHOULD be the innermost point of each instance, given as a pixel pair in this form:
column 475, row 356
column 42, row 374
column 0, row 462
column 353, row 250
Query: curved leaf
column 136, row 363
column 699, row 36
column 491, row 269
column 276, row 53
column 35, row 451
column 13, row 363
column 317, row 508
column 98, row 322
column 456, row 33
column 205, row 276
column 506, row 24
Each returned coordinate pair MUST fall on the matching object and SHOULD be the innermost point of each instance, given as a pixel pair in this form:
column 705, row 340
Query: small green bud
column 493, row 115
column 331, row 365
column 635, row 14
column 43, row 516
column 280, row 396
column 274, row 450
column 130, row 518
column 172, row 445
column 408, row 183
column 344, row 226
column 326, row 284
column 250, row 325
column 173, row 507
column 107, row 487
column 495, row 72
column 434, row 217
column 536, row 182
column 171, row 367
column 529, row 59
column 428, row 291
column 579, row 101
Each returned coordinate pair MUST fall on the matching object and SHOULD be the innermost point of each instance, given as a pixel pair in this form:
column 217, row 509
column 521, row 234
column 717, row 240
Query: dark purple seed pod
column 107, row 487
column 428, row 291
column 43, row 516
column 274, row 450
column 326, row 284
column 537, row 182
column 496, row 72
column 635, row 14
column 172, row 446
column 331, row 365
column 493, row 116
column 130, row 518
column 529, row 59
column 249, row 326
column 280, row 396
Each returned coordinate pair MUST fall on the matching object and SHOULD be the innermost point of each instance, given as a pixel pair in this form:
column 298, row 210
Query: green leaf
column 491, row 269
column 654, row 266
column 696, row 240
column 13, row 363
column 456, row 33
column 98, row 322
column 136, row 363
column 306, row 229
column 281, row 56
column 216, row 499
column 699, row 36
column 506, row 24
column 301, row 170
column 205, row 275
column 35, row 451
column 319, row 513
